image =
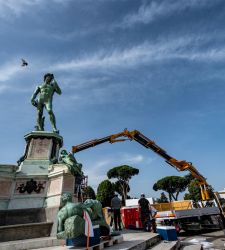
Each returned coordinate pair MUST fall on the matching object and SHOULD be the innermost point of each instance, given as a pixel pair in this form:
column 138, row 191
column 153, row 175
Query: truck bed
column 177, row 214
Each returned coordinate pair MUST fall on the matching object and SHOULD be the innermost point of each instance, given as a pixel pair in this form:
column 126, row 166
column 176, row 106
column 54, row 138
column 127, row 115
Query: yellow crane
column 148, row 143
column 201, row 213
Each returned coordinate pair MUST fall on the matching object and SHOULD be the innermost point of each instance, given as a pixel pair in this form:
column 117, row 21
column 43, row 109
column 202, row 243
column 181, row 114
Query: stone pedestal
column 39, row 180
column 31, row 180
column 41, row 151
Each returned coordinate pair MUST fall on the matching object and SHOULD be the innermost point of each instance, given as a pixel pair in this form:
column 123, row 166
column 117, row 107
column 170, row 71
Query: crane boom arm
column 148, row 143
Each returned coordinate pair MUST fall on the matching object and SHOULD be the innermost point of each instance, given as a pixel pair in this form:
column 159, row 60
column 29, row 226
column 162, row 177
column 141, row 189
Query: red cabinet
column 130, row 217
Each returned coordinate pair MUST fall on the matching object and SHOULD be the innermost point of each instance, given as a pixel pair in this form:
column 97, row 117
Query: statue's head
column 48, row 77
column 66, row 197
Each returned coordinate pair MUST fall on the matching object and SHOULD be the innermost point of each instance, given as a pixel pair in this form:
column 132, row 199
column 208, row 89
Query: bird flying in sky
column 24, row 63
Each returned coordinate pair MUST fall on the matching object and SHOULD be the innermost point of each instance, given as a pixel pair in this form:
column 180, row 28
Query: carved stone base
column 38, row 182
column 42, row 150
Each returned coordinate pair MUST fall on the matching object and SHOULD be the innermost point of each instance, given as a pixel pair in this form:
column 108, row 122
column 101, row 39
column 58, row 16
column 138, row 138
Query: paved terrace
column 132, row 240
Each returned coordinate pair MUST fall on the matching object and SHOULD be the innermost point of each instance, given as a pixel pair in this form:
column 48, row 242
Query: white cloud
column 188, row 48
column 96, row 71
column 12, row 75
column 8, row 70
column 15, row 7
column 158, row 9
column 96, row 171
column 209, row 55
column 19, row 7
column 120, row 58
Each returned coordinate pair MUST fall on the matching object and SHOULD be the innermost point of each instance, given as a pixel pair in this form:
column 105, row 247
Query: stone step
column 25, row 231
column 105, row 243
column 22, row 216
column 35, row 243
column 132, row 240
column 166, row 245
column 193, row 247
column 137, row 241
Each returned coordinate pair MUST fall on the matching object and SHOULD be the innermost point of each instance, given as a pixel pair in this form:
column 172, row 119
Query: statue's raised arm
column 57, row 88
column 42, row 98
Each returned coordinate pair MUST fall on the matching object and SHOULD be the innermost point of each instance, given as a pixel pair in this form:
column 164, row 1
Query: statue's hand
column 34, row 103
column 53, row 82
column 56, row 86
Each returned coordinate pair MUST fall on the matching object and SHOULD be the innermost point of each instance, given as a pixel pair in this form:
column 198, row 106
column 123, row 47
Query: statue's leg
column 52, row 117
column 40, row 118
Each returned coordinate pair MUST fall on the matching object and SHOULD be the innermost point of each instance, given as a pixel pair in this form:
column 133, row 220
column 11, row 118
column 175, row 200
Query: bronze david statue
column 45, row 94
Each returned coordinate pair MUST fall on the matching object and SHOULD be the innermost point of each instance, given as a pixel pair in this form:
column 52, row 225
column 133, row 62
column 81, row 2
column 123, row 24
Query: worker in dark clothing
column 153, row 213
column 116, row 205
column 144, row 208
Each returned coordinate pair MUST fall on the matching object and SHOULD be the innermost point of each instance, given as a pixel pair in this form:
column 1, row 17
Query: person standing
column 115, row 206
column 144, row 208
column 153, row 213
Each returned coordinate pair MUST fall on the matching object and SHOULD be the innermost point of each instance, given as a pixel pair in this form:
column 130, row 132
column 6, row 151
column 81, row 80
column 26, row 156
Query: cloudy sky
column 157, row 66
